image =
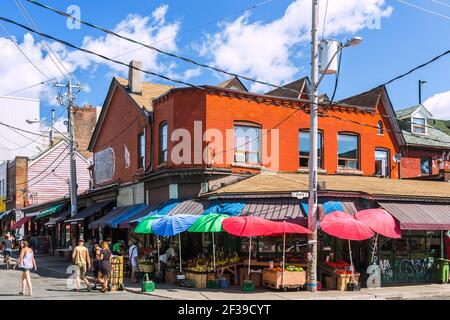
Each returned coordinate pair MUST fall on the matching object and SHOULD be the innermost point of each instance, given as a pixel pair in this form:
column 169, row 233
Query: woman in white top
column 26, row 264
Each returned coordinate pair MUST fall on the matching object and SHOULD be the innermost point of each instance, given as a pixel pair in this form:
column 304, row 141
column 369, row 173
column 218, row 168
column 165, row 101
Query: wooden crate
column 200, row 279
column 170, row 277
column 292, row 279
column 330, row 283
column 148, row 268
column 254, row 276
column 344, row 279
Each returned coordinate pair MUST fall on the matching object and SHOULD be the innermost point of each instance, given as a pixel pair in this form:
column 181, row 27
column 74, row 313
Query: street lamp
column 50, row 125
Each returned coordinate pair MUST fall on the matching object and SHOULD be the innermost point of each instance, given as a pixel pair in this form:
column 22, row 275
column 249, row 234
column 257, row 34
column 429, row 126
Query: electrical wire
column 28, row 87
column 442, row 3
column 325, row 20
column 424, row 9
column 21, row 51
column 107, row 31
column 44, row 45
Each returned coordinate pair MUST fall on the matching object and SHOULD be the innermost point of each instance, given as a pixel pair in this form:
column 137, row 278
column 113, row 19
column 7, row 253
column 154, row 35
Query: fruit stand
column 337, row 274
column 294, row 277
column 200, row 270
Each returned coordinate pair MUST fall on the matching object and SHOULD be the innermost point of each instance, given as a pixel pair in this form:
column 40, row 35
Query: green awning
column 50, row 211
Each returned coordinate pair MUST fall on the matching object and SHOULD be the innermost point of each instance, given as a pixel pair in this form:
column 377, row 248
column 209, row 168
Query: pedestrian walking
column 26, row 264
column 80, row 257
column 133, row 256
column 97, row 257
column 105, row 265
column 7, row 245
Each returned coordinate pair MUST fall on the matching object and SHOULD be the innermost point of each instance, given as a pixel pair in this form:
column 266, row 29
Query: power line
column 21, row 51
column 29, row 87
column 325, row 20
column 23, row 130
column 424, row 9
column 154, row 48
column 442, row 3
column 47, row 48
column 199, row 26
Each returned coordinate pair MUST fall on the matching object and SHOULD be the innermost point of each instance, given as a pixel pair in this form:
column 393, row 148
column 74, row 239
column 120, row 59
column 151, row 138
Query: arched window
column 380, row 129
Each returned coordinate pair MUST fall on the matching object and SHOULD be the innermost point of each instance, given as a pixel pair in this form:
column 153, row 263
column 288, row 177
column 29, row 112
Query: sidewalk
column 58, row 265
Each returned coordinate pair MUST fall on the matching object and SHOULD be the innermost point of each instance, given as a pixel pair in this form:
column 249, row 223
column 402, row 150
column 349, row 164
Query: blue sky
column 269, row 43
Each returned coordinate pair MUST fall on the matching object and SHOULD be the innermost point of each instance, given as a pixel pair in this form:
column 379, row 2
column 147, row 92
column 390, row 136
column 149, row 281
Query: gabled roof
column 143, row 101
column 149, row 91
column 302, row 85
column 369, row 100
column 233, row 82
column 408, row 112
column 42, row 154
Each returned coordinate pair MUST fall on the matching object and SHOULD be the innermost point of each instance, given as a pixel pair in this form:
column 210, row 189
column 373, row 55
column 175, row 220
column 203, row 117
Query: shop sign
column 300, row 195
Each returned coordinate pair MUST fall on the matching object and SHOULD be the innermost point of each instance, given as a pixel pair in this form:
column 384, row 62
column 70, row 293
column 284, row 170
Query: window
column 348, row 151
column 247, row 144
column 163, row 142
column 380, row 129
column 382, row 162
column 419, row 126
column 141, row 150
column 303, row 149
column 426, row 166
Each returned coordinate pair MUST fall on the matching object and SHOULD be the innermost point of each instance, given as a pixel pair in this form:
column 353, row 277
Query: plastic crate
column 441, row 270
column 248, row 285
column 213, row 284
column 224, row 282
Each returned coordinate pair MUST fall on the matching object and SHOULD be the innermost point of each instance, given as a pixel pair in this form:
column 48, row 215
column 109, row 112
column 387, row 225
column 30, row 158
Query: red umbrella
column 380, row 221
column 281, row 228
column 248, row 226
column 342, row 225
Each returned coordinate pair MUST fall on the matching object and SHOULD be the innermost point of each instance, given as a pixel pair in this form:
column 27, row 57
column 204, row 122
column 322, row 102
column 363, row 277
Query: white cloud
column 439, row 105
column 141, row 28
column 265, row 50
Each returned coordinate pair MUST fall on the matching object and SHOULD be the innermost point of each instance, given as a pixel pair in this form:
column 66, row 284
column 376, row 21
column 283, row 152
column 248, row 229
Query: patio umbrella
column 172, row 226
column 209, row 223
column 247, row 226
column 381, row 222
column 342, row 225
column 281, row 228
column 145, row 227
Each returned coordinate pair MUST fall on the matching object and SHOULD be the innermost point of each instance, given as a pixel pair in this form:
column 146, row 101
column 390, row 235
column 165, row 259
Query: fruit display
column 294, row 268
column 339, row 264
column 200, row 265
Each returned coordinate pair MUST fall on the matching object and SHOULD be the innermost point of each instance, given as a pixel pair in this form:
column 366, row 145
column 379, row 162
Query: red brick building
column 185, row 141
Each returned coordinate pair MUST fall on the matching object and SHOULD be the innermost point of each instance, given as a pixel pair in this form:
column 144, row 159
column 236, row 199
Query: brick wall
column 84, row 119
column 411, row 161
column 17, row 195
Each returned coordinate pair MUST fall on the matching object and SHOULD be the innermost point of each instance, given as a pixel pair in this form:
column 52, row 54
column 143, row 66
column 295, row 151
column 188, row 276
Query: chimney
column 135, row 77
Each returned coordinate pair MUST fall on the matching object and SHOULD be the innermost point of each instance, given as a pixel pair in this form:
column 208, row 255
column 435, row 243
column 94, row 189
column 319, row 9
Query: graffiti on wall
column 104, row 165
column 127, row 157
column 415, row 269
column 387, row 274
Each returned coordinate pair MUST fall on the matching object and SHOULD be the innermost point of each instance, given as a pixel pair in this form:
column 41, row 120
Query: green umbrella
column 209, row 223
column 145, row 226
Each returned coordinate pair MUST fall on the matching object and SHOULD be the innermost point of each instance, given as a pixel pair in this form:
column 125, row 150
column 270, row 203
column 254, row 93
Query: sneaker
column 88, row 288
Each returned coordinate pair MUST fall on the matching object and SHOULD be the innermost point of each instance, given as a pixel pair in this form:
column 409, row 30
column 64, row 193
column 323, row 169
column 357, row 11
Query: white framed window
column 348, row 151
column 419, row 125
column 247, row 143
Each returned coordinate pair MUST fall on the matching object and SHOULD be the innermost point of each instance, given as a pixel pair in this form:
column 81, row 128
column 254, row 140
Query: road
column 50, row 283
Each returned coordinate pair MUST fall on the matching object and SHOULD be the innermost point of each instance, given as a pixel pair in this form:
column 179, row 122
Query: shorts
column 83, row 268
column 6, row 253
column 134, row 265
column 24, row 269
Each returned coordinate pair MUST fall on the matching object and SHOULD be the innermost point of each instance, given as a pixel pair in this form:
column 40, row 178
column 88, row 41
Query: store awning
column 21, row 222
column 58, row 218
column 273, row 209
column 89, row 211
column 195, row 207
column 5, row 214
column 117, row 216
column 135, row 218
column 419, row 216
column 329, row 205
column 50, row 211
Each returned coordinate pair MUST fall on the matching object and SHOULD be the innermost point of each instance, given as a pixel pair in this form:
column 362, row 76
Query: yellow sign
column 2, row 204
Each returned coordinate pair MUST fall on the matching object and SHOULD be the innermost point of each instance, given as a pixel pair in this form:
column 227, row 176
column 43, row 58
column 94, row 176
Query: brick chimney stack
column 84, row 121
column 135, row 77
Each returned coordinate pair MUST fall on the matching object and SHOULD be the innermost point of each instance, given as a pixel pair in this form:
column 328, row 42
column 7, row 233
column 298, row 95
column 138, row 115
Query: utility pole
column 52, row 130
column 73, row 168
column 421, row 82
column 312, row 201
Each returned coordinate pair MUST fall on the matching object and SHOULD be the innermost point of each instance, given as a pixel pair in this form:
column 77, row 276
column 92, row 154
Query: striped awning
column 419, row 216
column 135, row 218
column 273, row 208
column 58, row 218
column 117, row 216
column 89, row 211
column 195, row 207
column 49, row 211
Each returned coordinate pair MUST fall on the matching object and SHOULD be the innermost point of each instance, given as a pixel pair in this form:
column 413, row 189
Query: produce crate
column 147, row 268
column 211, row 276
column 330, row 283
column 254, row 276
column 199, row 279
column 344, row 279
column 170, row 277
column 292, row 279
